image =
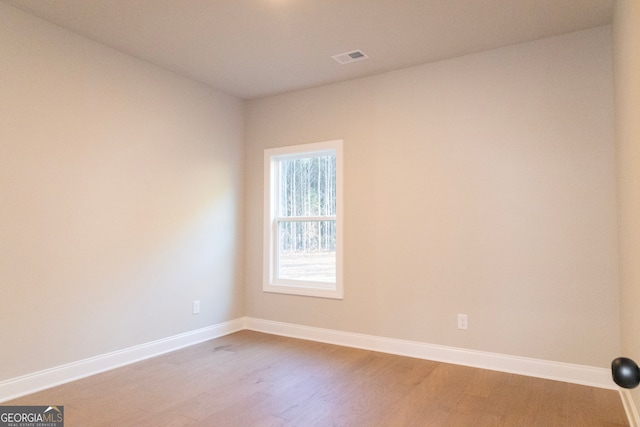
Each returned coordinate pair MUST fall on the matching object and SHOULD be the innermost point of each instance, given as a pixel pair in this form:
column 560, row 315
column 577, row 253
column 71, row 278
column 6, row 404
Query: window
column 303, row 215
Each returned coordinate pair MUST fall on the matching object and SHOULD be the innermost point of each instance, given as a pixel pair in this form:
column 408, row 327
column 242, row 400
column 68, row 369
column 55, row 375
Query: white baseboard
column 630, row 408
column 31, row 383
column 577, row 374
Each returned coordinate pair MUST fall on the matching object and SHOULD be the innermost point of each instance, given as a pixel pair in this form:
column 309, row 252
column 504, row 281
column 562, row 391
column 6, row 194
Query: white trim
column 577, row 374
column 31, row 383
column 630, row 408
column 558, row 371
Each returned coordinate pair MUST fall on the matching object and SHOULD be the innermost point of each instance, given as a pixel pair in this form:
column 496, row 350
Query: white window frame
column 271, row 283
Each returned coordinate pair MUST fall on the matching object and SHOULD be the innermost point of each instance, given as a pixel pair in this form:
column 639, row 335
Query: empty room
column 319, row 212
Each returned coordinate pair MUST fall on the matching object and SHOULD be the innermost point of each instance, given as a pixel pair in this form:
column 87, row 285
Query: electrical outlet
column 463, row 321
column 196, row 307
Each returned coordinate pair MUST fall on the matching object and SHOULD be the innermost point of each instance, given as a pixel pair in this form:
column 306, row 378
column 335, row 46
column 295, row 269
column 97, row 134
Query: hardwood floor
column 254, row 379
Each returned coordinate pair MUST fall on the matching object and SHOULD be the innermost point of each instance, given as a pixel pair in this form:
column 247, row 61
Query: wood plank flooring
column 254, row 379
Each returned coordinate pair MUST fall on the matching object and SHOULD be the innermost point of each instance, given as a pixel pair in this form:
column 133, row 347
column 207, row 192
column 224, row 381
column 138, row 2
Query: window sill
column 309, row 291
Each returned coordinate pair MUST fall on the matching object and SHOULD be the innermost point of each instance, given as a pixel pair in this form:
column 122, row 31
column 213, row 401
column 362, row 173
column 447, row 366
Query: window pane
column 307, row 250
column 308, row 186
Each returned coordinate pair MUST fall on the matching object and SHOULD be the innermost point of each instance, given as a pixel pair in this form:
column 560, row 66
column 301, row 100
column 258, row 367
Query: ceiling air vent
column 347, row 57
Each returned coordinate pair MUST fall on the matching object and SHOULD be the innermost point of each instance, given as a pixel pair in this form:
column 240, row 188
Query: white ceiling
column 253, row 48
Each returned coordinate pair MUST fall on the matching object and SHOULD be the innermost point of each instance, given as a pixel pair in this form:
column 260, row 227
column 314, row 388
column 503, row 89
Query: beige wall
column 120, row 199
column 482, row 185
column 627, row 95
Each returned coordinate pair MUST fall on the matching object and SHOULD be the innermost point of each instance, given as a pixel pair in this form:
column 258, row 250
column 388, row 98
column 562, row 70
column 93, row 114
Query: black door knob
column 625, row 372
